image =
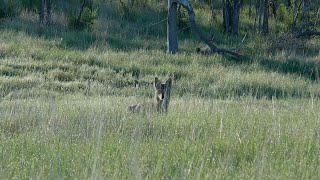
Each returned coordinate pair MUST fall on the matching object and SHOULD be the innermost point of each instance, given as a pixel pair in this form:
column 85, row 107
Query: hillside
column 64, row 96
column 118, row 55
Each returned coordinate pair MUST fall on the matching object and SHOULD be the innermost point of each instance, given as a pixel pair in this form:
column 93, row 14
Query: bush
column 89, row 17
column 124, row 11
column 285, row 15
column 86, row 21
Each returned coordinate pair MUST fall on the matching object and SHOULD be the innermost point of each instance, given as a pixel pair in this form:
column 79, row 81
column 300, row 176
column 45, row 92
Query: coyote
column 161, row 99
column 206, row 50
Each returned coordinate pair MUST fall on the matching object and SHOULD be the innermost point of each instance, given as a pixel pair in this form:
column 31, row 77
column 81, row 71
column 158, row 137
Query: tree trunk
column 212, row 10
column 81, row 11
column 226, row 16
column 306, row 9
column 256, row 15
column 49, row 12
column 260, row 15
column 235, row 18
column 172, row 39
column 41, row 11
column 307, row 33
column 250, row 8
column 231, row 13
column 274, row 8
column 288, row 3
column 297, row 6
column 265, row 25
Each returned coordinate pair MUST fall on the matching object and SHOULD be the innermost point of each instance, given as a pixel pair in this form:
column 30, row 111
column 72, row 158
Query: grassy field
column 81, row 137
column 64, row 95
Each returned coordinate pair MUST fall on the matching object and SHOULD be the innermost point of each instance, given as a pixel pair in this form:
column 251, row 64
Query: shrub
column 124, row 11
column 285, row 15
column 86, row 21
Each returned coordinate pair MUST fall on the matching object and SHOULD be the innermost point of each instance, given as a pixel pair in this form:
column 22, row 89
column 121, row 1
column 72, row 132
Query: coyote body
column 206, row 50
column 161, row 99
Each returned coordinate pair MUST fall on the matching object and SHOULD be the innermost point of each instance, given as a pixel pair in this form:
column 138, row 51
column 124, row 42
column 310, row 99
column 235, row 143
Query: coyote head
column 161, row 99
column 162, row 94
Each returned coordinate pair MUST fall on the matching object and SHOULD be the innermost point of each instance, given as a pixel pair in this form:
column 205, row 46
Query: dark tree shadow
column 300, row 67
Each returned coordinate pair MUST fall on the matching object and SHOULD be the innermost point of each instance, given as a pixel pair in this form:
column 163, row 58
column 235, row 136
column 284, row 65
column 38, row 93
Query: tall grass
column 44, row 65
column 78, row 137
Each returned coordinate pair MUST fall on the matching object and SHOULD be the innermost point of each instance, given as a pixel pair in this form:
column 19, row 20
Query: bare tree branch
column 81, row 11
column 308, row 33
column 202, row 35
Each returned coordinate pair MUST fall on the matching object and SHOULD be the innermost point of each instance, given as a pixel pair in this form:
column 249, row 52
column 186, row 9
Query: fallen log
column 213, row 48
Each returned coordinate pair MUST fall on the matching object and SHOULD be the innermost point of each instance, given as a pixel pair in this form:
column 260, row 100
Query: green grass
column 78, row 137
column 45, row 66
column 64, row 95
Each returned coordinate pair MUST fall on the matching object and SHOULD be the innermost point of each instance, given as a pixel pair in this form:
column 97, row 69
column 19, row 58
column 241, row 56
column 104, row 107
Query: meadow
column 64, row 96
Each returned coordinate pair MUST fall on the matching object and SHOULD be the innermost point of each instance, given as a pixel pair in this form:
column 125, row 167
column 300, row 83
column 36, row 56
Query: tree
column 297, row 8
column 310, row 21
column 42, row 7
column 274, row 5
column 41, row 11
column 231, row 13
column 172, row 39
column 265, row 25
column 49, row 12
column 85, row 18
column 250, row 8
column 213, row 48
column 262, row 14
column 288, row 3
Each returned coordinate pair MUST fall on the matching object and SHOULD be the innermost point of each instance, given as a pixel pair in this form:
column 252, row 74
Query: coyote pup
column 161, row 99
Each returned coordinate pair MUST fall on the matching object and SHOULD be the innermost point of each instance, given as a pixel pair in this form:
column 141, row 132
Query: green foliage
column 9, row 8
column 86, row 21
column 183, row 20
column 285, row 15
column 89, row 17
column 125, row 11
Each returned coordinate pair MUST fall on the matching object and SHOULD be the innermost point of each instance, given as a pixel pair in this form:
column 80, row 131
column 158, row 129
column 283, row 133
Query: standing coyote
column 161, row 99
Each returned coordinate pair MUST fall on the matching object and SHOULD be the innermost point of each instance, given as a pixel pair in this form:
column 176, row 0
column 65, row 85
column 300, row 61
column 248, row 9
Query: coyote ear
column 157, row 83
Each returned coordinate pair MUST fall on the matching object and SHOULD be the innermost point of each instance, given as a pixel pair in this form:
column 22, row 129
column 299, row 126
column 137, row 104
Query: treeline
column 81, row 14
column 300, row 17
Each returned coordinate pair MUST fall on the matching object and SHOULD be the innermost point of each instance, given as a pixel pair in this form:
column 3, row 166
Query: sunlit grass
column 45, row 65
column 85, row 137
